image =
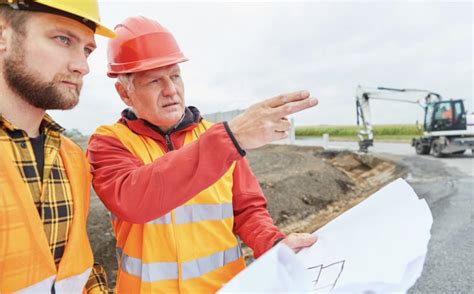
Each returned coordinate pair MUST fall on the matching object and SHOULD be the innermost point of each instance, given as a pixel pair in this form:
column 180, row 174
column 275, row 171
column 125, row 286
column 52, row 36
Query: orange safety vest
column 191, row 249
column 26, row 262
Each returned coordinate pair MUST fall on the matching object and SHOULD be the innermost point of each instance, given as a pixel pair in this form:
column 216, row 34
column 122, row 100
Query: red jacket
column 139, row 193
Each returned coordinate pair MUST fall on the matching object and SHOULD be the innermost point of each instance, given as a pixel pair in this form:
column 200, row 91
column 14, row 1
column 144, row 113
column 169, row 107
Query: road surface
column 447, row 184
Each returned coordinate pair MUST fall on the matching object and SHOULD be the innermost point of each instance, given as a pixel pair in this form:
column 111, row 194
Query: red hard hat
column 141, row 44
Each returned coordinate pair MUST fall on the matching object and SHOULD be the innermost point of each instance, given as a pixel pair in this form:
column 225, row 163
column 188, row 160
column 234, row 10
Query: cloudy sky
column 242, row 52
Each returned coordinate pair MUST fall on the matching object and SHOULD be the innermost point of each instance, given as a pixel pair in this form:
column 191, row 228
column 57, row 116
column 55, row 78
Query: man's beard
column 33, row 90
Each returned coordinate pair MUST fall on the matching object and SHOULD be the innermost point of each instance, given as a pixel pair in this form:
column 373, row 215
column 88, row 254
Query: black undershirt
column 38, row 148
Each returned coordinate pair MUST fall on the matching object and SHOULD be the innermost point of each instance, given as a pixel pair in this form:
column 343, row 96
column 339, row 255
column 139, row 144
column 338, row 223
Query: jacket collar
column 191, row 119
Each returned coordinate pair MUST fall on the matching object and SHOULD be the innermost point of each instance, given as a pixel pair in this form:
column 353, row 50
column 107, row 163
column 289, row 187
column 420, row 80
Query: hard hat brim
column 142, row 65
column 104, row 31
column 91, row 16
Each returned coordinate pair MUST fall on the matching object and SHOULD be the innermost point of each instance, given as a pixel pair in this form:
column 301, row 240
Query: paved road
column 447, row 184
column 448, row 187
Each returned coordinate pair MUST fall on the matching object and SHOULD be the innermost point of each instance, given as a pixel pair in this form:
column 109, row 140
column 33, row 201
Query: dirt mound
column 306, row 187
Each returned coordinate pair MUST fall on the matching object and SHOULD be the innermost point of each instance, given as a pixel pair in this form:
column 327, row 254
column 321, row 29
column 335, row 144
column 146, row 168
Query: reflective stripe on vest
column 194, row 213
column 158, row 271
column 74, row 284
column 203, row 212
column 198, row 267
column 42, row 287
column 149, row 272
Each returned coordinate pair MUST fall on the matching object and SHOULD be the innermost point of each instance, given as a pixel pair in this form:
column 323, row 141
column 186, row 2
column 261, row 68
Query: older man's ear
column 123, row 93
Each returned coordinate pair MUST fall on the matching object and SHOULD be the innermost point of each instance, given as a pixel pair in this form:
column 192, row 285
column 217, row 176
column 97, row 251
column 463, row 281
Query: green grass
column 381, row 132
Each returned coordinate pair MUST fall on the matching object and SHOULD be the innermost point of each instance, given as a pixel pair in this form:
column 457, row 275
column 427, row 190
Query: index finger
column 286, row 98
column 295, row 106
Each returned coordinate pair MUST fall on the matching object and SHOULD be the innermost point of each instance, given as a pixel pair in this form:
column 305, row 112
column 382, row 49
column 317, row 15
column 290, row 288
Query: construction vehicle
column 448, row 127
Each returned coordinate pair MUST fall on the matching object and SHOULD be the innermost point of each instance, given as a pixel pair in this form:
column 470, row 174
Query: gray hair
column 126, row 80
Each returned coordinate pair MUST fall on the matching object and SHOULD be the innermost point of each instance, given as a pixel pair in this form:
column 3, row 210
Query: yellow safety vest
column 191, row 249
column 26, row 262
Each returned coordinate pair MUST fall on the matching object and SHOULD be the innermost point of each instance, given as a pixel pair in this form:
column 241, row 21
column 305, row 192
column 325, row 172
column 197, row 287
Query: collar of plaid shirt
column 47, row 124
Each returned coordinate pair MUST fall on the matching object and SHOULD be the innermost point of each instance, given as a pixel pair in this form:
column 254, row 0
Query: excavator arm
column 365, row 94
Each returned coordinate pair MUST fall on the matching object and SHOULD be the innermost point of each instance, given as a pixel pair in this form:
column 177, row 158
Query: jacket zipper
column 169, row 145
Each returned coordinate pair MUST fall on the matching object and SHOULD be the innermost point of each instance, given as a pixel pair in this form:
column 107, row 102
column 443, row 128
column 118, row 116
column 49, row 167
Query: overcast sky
column 244, row 52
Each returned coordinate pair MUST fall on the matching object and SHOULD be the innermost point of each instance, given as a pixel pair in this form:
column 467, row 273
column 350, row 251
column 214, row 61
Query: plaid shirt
column 52, row 196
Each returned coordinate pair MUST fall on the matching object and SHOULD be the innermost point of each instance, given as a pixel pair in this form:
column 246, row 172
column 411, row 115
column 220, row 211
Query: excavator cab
column 445, row 116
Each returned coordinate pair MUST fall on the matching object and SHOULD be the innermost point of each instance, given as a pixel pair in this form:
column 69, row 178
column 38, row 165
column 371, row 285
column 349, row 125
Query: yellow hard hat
column 85, row 10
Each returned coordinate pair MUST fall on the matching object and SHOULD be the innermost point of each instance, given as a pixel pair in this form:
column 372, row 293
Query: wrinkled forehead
column 173, row 68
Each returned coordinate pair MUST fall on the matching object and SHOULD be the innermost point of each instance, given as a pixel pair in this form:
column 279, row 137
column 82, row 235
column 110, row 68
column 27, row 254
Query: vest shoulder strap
column 140, row 146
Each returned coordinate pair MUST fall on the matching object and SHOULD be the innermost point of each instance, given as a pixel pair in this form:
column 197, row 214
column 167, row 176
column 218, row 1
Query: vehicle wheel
column 422, row 149
column 436, row 147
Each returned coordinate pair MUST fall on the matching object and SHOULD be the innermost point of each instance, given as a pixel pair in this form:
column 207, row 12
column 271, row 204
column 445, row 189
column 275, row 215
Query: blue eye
column 63, row 39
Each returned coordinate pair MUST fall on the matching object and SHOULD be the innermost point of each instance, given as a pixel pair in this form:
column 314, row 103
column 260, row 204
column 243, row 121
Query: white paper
column 377, row 246
column 376, row 240
column 275, row 271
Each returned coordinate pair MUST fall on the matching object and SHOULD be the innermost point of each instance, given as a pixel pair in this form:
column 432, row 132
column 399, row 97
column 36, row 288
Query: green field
column 381, row 132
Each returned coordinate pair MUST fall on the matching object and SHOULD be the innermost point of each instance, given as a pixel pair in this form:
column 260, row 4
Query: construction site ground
column 306, row 187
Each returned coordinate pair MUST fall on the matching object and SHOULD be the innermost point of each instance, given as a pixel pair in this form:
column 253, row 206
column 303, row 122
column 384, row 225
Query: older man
column 44, row 177
column 178, row 187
